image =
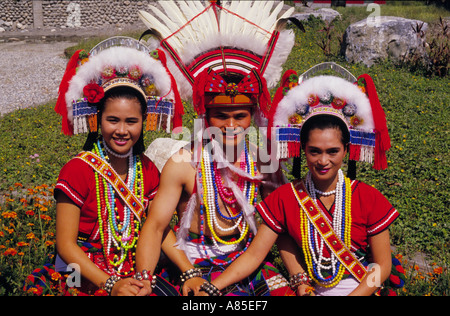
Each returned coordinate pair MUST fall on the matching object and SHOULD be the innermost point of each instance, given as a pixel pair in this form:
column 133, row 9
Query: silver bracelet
column 298, row 279
column 109, row 284
column 144, row 275
column 211, row 289
column 191, row 273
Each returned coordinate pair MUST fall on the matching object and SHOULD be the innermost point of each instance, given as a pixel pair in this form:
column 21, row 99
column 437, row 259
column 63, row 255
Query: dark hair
column 121, row 92
column 322, row 122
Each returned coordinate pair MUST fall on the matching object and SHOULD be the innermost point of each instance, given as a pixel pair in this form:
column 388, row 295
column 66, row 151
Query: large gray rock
column 325, row 14
column 376, row 39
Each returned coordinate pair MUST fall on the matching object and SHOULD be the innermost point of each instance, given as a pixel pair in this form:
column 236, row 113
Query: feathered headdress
column 117, row 61
column 223, row 54
column 355, row 102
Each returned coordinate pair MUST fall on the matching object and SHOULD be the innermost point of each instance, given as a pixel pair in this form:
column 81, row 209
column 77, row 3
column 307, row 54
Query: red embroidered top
column 76, row 180
column 371, row 214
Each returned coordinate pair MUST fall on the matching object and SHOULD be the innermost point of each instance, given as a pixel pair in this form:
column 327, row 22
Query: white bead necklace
column 211, row 202
column 325, row 193
column 113, row 153
column 322, row 263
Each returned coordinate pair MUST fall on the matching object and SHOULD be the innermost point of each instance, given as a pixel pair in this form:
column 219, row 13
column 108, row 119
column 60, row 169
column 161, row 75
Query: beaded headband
column 117, row 62
column 231, row 40
column 355, row 103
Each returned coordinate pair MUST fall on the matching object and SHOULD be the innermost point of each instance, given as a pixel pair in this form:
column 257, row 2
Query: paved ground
column 32, row 63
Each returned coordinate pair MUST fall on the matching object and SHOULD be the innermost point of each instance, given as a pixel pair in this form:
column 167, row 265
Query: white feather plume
column 191, row 37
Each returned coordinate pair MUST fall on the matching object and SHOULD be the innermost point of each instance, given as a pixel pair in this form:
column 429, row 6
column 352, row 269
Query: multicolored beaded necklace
column 327, row 272
column 118, row 237
column 212, row 188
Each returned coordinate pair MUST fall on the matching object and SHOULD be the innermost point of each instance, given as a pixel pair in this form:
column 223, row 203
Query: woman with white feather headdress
column 225, row 57
column 103, row 193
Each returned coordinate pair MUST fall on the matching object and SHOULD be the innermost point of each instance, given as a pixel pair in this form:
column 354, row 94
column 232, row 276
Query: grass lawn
column 417, row 108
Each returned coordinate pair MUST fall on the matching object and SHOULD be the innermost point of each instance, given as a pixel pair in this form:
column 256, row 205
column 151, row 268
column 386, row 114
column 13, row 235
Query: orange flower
column 31, row 236
column 22, row 244
column 46, row 218
column 49, row 243
column 438, row 270
column 18, row 184
column 10, row 252
column 9, row 214
column 56, row 276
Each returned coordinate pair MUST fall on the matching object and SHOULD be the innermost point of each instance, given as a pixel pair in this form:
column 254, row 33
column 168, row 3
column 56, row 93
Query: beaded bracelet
column 211, row 289
column 145, row 276
column 299, row 279
column 191, row 273
column 109, row 284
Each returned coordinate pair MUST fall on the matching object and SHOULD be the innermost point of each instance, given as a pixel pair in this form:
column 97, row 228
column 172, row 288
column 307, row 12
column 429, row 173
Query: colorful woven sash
column 324, row 228
column 110, row 175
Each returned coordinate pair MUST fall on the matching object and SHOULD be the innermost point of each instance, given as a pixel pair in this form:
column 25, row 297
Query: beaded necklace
column 118, row 237
column 327, row 272
column 211, row 189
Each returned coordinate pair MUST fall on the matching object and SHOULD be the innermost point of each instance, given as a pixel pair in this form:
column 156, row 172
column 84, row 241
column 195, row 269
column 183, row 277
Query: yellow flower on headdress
column 355, row 120
column 150, row 89
column 295, row 119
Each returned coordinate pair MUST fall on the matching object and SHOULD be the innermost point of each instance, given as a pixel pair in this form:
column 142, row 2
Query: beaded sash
column 323, row 227
column 107, row 172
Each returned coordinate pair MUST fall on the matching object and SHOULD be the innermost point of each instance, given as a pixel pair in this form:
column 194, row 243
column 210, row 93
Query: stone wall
column 27, row 14
column 16, row 14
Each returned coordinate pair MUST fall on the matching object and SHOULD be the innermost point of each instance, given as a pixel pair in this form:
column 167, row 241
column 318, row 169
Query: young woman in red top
column 103, row 193
column 328, row 226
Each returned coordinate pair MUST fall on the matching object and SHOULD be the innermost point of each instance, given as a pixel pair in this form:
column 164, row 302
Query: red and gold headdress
column 117, row 61
column 226, row 54
column 353, row 100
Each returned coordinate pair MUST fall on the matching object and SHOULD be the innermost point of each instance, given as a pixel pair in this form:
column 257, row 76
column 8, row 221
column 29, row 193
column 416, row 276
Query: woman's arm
column 156, row 232
column 250, row 260
column 179, row 258
column 159, row 216
column 67, row 223
column 381, row 253
column 293, row 260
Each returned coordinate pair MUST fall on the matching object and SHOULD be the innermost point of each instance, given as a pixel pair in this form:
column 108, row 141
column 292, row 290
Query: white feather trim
column 321, row 85
column 185, row 223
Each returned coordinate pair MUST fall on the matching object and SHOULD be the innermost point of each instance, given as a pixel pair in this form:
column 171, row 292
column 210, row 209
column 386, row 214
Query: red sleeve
column 379, row 212
column 151, row 177
column 74, row 181
column 273, row 208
